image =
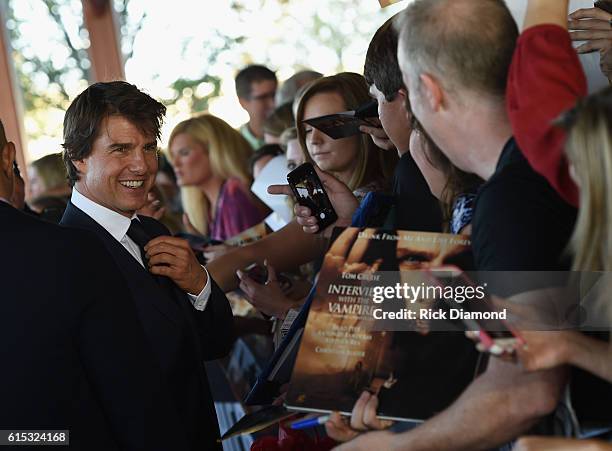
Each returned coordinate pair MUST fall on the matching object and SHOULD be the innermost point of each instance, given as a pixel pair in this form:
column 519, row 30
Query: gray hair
column 288, row 90
column 464, row 43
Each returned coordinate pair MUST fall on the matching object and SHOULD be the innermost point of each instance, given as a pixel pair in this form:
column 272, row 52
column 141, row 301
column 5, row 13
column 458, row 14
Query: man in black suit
column 74, row 354
column 110, row 149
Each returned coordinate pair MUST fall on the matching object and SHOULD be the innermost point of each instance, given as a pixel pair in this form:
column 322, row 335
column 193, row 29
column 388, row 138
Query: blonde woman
column 210, row 159
column 355, row 161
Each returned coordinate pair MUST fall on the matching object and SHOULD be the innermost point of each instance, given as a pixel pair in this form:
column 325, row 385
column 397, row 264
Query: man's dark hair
column 381, row 68
column 249, row 75
column 101, row 100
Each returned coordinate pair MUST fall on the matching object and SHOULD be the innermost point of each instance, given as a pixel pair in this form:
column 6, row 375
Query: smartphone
column 606, row 5
column 496, row 335
column 309, row 192
column 259, row 273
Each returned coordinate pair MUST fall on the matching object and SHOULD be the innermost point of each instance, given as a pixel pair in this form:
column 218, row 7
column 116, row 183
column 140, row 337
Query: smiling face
column 120, row 170
column 190, row 160
column 335, row 155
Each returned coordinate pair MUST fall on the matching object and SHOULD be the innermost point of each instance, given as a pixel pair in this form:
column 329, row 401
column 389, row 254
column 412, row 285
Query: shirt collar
column 2, row 199
column 114, row 223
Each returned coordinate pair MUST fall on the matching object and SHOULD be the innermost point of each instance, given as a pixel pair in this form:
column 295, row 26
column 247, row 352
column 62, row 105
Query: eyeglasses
column 16, row 169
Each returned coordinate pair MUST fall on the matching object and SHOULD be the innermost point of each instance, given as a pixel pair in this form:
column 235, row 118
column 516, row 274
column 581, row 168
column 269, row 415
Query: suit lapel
column 145, row 288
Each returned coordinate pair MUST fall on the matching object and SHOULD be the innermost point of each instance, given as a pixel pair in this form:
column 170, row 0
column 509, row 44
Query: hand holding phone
column 320, row 193
column 260, row 274
column 495, row 336
column 266, row 290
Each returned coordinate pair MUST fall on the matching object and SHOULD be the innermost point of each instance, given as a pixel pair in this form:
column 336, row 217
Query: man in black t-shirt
column 520, row 223
column 421, row 210
column 454, row 57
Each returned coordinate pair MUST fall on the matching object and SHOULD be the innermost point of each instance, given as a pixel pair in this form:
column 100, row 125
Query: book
column 346, row 123
column 277, row 371
column 342, row 353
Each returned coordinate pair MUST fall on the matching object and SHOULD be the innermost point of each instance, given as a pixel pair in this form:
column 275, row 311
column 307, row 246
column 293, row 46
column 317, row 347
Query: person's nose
column 316, row 136
column 174, row 161
column 270, row 104
column 138, row 162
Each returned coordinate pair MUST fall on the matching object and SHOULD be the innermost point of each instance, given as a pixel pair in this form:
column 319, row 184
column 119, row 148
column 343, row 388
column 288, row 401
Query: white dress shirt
column 117, row 225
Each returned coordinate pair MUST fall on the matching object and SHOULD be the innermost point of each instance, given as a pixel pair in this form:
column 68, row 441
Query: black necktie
column 139, row 236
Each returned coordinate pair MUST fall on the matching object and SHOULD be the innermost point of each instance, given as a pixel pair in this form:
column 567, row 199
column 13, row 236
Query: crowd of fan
column 481, row 131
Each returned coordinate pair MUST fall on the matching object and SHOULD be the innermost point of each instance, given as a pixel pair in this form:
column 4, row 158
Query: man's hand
column 172, row 257
column 268, row 298
column 363, row 418
column 544, row 349
column 343, row 200
column 153, row 208
column 591, row 25
column 379, row 136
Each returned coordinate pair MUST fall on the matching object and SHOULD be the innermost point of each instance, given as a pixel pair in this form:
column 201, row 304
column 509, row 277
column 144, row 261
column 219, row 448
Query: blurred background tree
column 184, row 53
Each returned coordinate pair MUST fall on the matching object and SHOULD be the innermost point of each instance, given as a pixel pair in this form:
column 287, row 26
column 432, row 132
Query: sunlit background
column 182, row 52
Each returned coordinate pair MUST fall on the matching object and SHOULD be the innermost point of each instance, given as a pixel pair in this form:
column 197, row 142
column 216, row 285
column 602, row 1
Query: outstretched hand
column 593, row 26
column 363, row 418
column 343, row 200
column 268, row 298
column 378, row 134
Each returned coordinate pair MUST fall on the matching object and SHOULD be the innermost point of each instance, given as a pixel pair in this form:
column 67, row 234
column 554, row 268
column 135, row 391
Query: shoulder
column 235, row 189
column 49, row 236
column 234, row 184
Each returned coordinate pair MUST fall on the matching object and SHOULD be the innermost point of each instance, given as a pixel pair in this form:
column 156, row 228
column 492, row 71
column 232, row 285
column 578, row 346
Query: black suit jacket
column 74, row 354
column 181, row 336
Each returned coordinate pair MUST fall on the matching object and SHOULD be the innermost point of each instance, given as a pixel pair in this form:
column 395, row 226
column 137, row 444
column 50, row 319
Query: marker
column 310, row 422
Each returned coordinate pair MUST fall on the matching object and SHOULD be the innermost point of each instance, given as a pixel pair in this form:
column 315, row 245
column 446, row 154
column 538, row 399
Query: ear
column 243, row 102
column 80, row 165
column 432, row 92
column 402, row 98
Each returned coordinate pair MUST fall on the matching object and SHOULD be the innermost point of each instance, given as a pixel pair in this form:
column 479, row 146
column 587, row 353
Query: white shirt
column 117, row 225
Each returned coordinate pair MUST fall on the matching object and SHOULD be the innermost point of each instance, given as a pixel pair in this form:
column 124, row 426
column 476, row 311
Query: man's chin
column 128, row 209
